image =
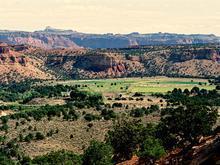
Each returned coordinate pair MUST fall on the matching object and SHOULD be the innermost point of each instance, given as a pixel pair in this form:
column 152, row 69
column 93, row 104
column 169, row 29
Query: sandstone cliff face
column 94, row 65
column 103, row 65
column 201, row 62
column 100, row 62
column 35, row 63
column 197, row 68
column 16, row 66
column 56, row 38
column 41, row 40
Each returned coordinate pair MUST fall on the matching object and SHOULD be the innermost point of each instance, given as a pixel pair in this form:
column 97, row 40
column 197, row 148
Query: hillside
column 16, row 66
column 19, row 62
column 169, row 61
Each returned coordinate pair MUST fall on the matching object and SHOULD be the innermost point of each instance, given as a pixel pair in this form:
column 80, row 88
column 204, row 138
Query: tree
column 90, row 117
column 78, row 95
column 39, row 136
column 139, row 112
column 151, row 148
column 195, row 90
column 154, row 108
column 108, row 114
column 186, row 92
column 58, row 158
column 98, row 153
column 126, row 136
column 29, row 137
column 183, row 125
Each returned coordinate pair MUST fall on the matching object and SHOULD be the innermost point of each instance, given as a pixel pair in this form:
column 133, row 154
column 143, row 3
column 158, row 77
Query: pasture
column 147, row 85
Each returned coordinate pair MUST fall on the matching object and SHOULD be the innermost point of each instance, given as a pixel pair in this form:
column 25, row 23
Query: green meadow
column 131, row 85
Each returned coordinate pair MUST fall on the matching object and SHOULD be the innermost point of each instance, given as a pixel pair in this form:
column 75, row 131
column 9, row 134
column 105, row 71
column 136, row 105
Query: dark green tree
column 151, row 148
column 58, row 158
column 98, row 153
column 184, row 125
column 126, row 137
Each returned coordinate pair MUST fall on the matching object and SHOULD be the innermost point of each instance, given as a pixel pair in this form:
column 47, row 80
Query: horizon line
column 103, row 33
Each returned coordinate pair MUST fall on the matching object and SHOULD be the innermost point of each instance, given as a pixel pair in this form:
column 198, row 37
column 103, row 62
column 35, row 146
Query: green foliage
column 139, row 112
column 82, row 99
column 58, row 158
column 117, row 105
column 126, row 136
column 53, row 91
column 91, row 117
column 185, row 124
column 5, row 160
column 4, row 119
column 4, row 127
column 39, row 136
column 151, row 148
column 14, row 91
column 29, row 137
column 9, row 153
column 108, row 114
column 98, row 153
column 26, row 91
column 48, row 111
column 153, row 108
column 195, row 97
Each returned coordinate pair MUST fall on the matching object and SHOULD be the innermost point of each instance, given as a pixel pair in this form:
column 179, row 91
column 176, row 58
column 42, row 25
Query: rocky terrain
column 15, row 65
column 37, row 39
column 168, row 61
column 19, row 62
column 198, row 62
column 56, row 38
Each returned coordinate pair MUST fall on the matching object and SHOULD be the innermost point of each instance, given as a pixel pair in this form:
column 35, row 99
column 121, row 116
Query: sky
column 113, row 16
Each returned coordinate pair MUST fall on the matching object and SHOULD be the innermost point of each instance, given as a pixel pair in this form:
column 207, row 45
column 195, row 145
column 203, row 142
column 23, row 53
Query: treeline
column 195, row 96
column 26, row 91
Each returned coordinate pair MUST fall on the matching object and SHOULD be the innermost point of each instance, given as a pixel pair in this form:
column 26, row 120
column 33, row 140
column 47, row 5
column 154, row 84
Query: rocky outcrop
column 39, row 63
column 98, row 62
column 94, row 65
column 169, row 61
column 15, row 65
column 198, row 62
column 41, row 40
column 58, row 38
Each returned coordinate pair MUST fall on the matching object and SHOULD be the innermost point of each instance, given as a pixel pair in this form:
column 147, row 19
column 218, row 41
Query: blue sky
column 116, row 16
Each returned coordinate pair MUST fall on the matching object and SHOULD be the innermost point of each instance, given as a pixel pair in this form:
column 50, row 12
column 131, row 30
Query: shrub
column 39, row 136
column 58, row 158
column 108, row 114
column 151, row 148
column 139, row 112
column 98, row 153
column 29, row 137
column 118, row 105
column 137, row 94
column 90, row 117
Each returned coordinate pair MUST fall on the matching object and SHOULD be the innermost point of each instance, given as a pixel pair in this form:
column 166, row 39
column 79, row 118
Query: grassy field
column 132, row 85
